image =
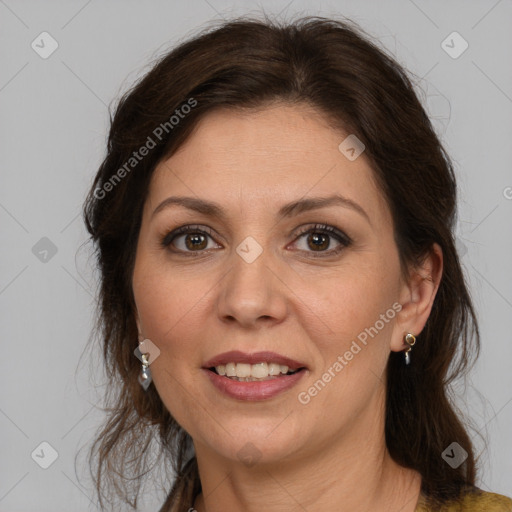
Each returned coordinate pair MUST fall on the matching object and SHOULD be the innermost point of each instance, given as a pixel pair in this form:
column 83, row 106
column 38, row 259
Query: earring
column 145, row 378
column 410, row 339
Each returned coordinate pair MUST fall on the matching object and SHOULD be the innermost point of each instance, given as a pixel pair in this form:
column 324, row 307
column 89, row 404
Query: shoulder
column 487, row 501
column 474, row 501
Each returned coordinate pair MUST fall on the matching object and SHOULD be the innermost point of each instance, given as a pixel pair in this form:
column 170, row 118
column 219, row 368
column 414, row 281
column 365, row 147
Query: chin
column 263, row 441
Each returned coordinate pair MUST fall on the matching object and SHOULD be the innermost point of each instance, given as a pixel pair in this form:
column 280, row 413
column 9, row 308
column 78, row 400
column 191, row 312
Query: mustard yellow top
column 478, row 501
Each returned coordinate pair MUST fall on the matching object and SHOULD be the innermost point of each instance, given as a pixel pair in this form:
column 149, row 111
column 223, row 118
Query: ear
column 417, row 297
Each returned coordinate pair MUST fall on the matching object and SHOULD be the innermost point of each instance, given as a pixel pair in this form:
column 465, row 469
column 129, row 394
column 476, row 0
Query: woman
column 274, row 223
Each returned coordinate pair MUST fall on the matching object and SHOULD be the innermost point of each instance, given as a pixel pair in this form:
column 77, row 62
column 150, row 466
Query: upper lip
column 235, row 356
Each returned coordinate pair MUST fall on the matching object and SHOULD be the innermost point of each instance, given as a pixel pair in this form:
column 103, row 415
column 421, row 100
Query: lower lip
column 256, row 390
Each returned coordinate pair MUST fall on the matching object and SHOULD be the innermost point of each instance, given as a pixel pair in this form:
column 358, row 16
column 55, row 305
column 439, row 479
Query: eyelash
column 341, row 237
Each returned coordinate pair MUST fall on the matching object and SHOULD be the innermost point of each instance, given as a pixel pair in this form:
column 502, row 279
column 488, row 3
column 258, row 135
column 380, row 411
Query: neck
column 354, row 473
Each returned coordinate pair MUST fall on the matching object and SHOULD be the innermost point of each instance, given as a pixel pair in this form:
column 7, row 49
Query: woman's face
column 254, row 275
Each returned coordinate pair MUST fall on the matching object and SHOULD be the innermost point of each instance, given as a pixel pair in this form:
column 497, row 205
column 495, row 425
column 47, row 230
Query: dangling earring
column 410, row 339
column 145, row 378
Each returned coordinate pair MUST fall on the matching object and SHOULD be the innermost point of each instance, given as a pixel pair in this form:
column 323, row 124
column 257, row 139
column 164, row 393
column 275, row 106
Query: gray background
column 53, row 129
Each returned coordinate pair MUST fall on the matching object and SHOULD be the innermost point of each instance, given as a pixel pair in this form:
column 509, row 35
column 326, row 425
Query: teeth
column 244, row 371
column 274, row 369
column 258, row 371
column 231, row 370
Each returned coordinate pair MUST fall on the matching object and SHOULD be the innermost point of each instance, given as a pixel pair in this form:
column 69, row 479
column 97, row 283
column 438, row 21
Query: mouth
column 254, row 388
column 259, row 365
column 245, row 372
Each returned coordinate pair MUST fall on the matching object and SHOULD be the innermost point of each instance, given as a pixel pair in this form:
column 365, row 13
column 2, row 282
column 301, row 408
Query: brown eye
column 318, row 241
column 196, row 241
column 188, row 239
column 320, row 238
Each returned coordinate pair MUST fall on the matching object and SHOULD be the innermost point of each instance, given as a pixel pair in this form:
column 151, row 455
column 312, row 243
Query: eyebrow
column 212, row 209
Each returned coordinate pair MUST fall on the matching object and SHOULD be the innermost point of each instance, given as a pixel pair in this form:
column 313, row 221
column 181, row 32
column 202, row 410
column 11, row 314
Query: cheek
column 349, row 303
column 333, row 307
column 357, row 308
column 167, row 304
column 163, row 299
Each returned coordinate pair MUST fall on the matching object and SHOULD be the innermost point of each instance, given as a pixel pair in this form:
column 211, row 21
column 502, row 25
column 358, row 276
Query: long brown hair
column 247, row 63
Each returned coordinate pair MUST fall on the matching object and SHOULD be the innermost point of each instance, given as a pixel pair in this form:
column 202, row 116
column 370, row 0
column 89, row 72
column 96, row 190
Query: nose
column 252, row 294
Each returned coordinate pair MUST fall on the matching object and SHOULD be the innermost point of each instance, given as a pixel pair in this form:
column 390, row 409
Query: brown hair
column 244, row 64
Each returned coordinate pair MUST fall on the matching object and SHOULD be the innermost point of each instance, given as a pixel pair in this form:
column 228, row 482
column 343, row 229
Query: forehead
column 260, row 159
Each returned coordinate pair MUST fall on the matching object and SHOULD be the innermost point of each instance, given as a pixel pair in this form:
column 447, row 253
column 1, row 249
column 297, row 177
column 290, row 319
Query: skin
column 332, row 450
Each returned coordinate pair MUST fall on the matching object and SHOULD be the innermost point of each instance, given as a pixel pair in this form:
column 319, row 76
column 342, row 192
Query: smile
column 244, row 372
